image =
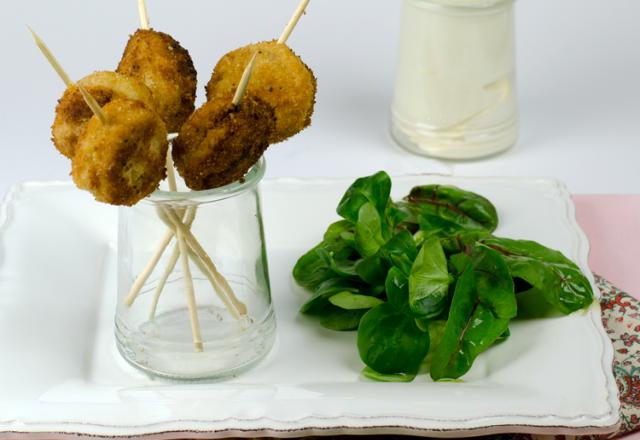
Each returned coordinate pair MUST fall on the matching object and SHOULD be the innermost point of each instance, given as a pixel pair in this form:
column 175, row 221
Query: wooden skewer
column 244, row 80
column 246, row 74
column 168, row 236
column 91, row 102
column 153, row 262
column 155, row 259
column 221, row 286
column 142, row 12
column 197, row 254
column 171, row 173
column 293, row 21
column 52, row 59
column 173, row 260
column 172, row 220
column 191, row 296
column 142, row 278
column 218, row 282
column 184, row 257
column 148, row 269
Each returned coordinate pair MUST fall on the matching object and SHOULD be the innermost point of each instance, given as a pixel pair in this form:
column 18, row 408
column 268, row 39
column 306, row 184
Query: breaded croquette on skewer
column 221, row 141
column 121, row 162
column 164, row 66
column 73, row 114
column 279, row 78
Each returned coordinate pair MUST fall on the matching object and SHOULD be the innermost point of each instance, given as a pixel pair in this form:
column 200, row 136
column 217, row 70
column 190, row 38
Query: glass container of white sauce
column 455, row 94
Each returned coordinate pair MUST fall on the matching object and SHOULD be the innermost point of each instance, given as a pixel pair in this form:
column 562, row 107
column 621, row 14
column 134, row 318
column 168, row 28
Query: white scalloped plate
column 60, row 372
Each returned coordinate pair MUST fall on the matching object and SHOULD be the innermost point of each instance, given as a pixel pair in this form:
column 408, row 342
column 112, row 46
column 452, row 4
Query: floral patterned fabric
column 621, row 318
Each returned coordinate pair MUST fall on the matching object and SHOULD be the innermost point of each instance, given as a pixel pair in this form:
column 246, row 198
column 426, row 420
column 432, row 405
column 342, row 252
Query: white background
column 578, row 75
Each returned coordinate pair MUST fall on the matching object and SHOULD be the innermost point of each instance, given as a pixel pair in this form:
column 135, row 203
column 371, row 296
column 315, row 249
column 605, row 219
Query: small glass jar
column 213, row 318
column 455, row 95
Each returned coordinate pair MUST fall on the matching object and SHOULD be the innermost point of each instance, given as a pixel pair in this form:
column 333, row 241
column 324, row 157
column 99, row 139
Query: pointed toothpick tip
column 52, row 59
column 244, row 80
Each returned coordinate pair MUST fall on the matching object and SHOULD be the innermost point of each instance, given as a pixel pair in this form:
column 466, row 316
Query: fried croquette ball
column 279, row 78
column 164, row 66
column 122, row 161
column 73, row 114
column 221, row 141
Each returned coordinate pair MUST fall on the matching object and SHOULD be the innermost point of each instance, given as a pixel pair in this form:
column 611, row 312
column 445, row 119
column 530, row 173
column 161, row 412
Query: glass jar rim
column 249, row 181
column 469, row 5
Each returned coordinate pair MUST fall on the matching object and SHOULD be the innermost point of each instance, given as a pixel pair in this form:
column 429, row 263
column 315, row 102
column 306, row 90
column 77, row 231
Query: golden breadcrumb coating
column 122, row 161
column 72, row 113
column 164, row 66
column 279, row 78
column 221, row 141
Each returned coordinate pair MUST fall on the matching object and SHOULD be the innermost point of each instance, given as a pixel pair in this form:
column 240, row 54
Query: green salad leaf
column 316, row 266
column 352, row 301
column 446, row 210
column 483, row 304
column 556, row 277
column 341, row 230
column 400, row 251
column 341, row 320
column 373, row 189
column 368, row 230
column 401, row 377
column 429, row 280
column 390, row 342
column 320, row 299
column 425, row 283
column 397, row 286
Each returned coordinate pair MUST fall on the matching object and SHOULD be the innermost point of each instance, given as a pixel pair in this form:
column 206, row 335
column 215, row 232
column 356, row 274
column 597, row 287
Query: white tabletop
column 578, row 75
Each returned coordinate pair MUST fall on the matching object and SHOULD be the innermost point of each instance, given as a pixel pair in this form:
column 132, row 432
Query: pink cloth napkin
column 612, row 223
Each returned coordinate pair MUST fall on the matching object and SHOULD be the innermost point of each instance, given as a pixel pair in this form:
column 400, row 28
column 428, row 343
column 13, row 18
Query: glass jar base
column 454, row 144
column 164, row 346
